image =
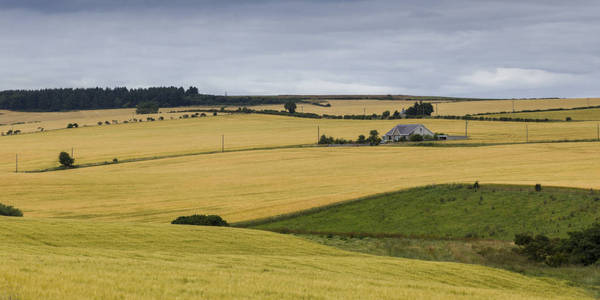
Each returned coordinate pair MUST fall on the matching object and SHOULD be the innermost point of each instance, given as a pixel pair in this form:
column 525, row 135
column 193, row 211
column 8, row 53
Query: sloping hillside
column 457, row 211
column 58, row 259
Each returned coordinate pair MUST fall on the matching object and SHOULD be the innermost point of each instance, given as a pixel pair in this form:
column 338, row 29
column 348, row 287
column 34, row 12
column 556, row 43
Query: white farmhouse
column 405, row 131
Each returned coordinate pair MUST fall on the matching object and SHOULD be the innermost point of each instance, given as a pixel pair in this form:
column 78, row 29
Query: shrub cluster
column 12, row 132
column 10, row 211
column 203, row 220
column 372, row 140
column 482, row 118
column 581, row 247
column 72, row 125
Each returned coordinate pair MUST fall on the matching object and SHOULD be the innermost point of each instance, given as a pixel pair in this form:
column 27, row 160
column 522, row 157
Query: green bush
column 10, row 211
column 65, row 159
column 202, row 220
column 538, row 187
column 416, row 138
column 581, row 247
column 374, row 138
column 290, row 106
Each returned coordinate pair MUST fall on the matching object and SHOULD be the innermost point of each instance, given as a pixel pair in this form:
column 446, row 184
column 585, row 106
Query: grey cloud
column 461, row 48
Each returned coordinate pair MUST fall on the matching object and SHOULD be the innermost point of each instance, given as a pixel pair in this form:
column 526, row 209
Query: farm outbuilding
column 405, row 130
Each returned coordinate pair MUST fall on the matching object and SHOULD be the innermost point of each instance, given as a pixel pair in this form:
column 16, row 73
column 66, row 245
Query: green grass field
column 51, row 259
column 456, row 211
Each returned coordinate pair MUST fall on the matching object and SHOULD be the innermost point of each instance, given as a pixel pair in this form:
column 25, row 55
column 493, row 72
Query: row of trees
column 372, row 140
column 121, row 97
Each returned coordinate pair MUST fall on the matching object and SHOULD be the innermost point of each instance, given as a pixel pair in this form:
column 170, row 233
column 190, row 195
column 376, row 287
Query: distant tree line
column 63, row 99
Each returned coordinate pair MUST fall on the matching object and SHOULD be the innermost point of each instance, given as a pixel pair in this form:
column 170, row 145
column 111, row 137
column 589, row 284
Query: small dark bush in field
column 107, row 122
column 538, row 187
column 290, row 106
column 161, row 118
column 99, row 123
column 204, row 220
column 568, row 119
column 476, row 185
column 10, row 211
column 214, row 113
column 65, row 159
column 72, row 125
column 115, row 160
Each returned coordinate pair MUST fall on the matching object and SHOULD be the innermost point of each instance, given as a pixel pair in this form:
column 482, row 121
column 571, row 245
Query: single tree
column 374, row 138
column 290, row 106
column 361, row 139
column 65, row 160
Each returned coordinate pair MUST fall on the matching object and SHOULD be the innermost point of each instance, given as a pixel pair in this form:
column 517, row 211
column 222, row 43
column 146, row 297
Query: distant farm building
column 405, row 131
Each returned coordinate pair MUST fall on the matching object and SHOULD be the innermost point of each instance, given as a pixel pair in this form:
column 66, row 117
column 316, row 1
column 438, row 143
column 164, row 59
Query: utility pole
column 318, row 133
column 16, row 163
column 598, row 131
column 72, row 153
column 466, row 128
column 437, row 112
column 222, row 143
column 513, row 105
column 364, row 111
column 526, row 133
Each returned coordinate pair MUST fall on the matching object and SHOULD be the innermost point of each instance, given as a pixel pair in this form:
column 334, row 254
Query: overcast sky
column 476, row 48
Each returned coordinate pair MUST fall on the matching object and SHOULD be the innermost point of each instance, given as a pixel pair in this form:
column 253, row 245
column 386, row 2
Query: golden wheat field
column 453, row 108
column 34, row 121
column 51, row 259
column 248, row 185
column 175, row 137
column 592, row 114
column 102, row 232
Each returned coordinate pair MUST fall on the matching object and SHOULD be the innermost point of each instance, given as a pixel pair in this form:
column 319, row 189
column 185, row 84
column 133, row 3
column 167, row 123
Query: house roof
column 404, row 129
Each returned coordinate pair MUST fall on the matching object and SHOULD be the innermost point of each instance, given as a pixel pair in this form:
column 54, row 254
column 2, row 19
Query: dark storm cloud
column 462, row 48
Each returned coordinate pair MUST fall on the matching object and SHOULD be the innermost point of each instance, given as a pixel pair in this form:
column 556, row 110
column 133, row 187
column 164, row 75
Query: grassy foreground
column 492, row 253
column 59, row 259
column 456, row 211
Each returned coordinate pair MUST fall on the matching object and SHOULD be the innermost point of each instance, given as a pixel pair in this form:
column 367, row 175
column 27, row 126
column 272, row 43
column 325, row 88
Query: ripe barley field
column 454, row 108
column 179, row 137
column 249, row 185
column 591, row 114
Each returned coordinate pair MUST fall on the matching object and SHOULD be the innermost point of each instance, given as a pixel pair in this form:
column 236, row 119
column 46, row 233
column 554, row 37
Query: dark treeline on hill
column 101, row 98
